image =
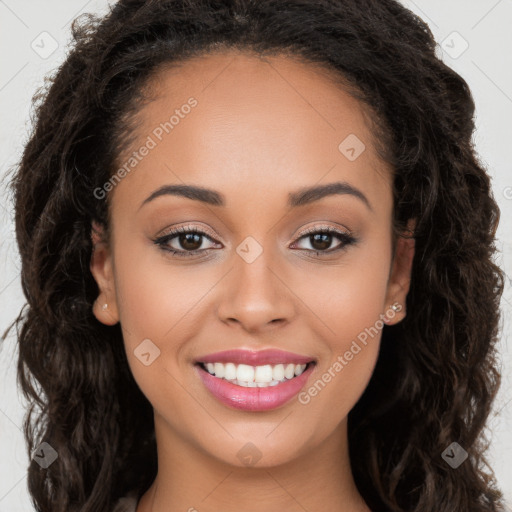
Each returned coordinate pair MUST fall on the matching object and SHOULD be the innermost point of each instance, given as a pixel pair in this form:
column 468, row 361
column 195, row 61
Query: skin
column 262, row 128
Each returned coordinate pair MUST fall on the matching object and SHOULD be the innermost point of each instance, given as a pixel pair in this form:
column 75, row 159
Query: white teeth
column 243, row 372
column 263, row 374
column 289, row 371
column 230, row 371
column 278, row 372
column 219, row 369
column 255, row 376
column 299, row 369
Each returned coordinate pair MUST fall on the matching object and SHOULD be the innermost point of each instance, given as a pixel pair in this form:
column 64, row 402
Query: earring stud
column 104, row 307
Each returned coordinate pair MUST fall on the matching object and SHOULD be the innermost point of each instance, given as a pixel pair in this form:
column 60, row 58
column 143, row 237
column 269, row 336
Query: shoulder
column 127, row 503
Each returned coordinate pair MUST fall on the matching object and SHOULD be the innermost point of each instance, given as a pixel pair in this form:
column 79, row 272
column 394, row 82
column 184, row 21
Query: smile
column 237, row 380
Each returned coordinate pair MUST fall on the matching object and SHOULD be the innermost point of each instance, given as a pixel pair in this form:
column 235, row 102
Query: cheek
column 154, row 295
column 348, row 307
column 158, row 303
column 347, row 297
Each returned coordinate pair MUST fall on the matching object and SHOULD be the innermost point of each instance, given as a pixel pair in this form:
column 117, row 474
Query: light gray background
column 28, row 31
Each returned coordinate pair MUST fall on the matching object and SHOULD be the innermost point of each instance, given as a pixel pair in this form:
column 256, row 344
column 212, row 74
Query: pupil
column 187, row 238
column 324, row 239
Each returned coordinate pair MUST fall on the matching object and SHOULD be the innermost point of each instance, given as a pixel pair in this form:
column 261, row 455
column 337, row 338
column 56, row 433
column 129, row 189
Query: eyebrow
column 298, row 198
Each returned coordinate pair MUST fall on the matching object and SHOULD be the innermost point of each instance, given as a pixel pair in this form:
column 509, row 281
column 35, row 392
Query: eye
column 188, row 237
column 321, row 238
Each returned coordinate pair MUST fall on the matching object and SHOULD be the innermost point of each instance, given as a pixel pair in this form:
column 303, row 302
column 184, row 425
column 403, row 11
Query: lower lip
column 254, row 399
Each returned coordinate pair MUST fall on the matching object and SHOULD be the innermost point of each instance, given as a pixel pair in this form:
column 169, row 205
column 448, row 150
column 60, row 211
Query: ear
column 400, row 277
column 105, row 306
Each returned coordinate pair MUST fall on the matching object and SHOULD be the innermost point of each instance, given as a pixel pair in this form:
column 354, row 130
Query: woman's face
column 258, row 134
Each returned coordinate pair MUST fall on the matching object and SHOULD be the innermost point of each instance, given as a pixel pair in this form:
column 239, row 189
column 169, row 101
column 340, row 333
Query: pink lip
column 254, row 399
column 255, row 357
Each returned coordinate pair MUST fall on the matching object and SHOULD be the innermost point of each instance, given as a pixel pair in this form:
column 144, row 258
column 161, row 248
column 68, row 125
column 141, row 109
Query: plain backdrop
column 474, row 37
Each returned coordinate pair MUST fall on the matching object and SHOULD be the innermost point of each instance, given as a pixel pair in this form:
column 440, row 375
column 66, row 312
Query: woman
column 257, row 249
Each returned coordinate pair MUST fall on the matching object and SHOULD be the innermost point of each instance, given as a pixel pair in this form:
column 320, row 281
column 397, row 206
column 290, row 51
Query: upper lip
column 255, row 357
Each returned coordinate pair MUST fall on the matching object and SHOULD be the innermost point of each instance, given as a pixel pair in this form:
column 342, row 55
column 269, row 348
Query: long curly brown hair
column 436, row 376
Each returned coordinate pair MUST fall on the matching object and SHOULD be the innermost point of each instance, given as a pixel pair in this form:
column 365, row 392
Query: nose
column 256, row 296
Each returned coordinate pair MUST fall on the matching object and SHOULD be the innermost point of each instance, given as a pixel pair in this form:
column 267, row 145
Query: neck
column 191, row 480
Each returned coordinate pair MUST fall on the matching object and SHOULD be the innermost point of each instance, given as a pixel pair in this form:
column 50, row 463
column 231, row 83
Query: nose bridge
column 256, row 295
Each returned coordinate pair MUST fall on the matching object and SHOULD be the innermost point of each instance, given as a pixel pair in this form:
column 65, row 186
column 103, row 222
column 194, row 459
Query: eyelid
column 325, row 227
column 187, row 228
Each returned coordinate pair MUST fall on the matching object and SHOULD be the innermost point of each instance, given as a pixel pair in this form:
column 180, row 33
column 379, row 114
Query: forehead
column 257, row 123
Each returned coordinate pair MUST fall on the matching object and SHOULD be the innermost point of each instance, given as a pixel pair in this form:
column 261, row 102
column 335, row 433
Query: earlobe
column 400, row 279
column 105, row 306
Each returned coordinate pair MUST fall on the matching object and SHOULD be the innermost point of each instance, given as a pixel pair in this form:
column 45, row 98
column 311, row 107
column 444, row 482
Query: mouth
column 251, row 387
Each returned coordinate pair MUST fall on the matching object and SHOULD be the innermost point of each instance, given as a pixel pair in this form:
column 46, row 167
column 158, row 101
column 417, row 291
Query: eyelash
column 163, row 240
